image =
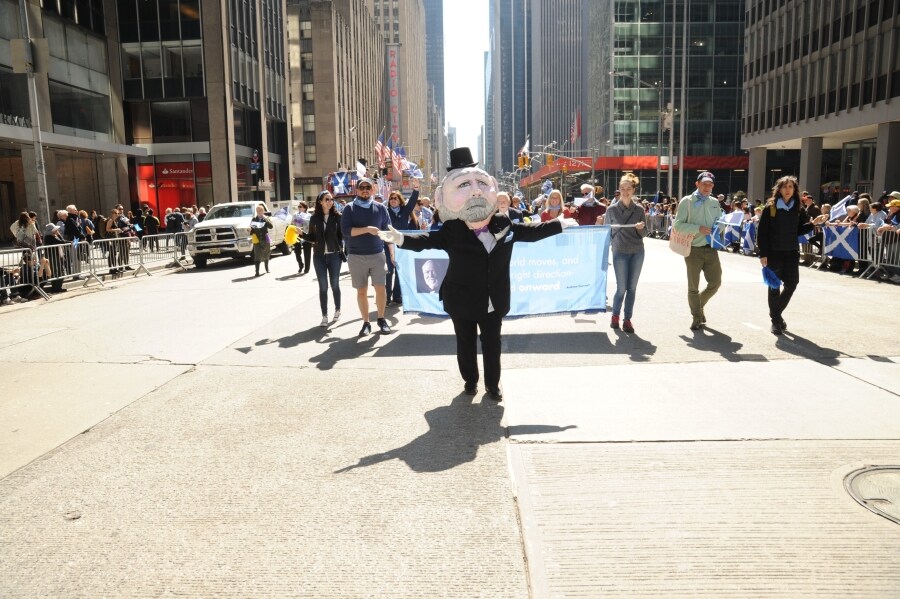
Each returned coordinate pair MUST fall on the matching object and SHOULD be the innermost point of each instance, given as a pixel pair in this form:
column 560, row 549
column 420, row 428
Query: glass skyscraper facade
column 192, row 121
column 634, row 41
column 821, row 76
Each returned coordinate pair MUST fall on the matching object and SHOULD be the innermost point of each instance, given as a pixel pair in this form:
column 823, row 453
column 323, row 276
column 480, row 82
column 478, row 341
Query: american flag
column 575, row 128
column 397, row 159
column 379, row 150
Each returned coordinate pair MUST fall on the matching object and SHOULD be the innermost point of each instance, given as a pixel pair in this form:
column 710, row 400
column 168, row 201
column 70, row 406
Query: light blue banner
column 563, row 273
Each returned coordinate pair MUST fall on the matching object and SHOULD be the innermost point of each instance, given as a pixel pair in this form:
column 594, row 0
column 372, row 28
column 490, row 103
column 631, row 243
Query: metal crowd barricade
column 886, row 253
column 659, row 225
column 868, row 242
column 180, row 254
column 154, row 249
column 12, row 277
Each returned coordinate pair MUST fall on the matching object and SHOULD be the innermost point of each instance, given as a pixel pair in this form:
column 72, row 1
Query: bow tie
column 480, row 230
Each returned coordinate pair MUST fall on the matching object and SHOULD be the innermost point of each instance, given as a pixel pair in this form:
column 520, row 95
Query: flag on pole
column 525, row 148
column 397, row 159
column 360, row 169
column 379, row 150
column 575, row 128
column 839, row 210
column 547, row 187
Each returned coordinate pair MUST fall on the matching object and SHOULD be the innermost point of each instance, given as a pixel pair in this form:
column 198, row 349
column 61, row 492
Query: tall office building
column 77, row 84
column 402, row 25
column 511, row 77
column 557, row 52
column 204, row 90
column 635, row 41
column 434, row 49
column 436, row 109
column 820, row 77
column 487, row 157
column 337, row 88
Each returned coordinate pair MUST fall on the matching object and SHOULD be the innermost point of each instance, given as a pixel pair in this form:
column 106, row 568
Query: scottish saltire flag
column 413, row 170
column 801, row 239
column 748, row 238
column 842, row 242
column 839, row 210
column 717, row 238
column 341, row 183
column 547, row 187
column 563, row 273
column 732, row 227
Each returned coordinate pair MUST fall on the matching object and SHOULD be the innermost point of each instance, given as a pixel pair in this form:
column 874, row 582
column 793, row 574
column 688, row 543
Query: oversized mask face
column 469, row 194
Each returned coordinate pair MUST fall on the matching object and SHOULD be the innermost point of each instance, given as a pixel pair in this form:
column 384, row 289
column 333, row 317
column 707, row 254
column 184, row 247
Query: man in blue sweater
column 361, row 221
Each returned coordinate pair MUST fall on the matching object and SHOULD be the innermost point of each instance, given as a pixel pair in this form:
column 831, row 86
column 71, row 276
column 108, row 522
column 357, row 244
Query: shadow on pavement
column 638, row 350
column 344, row 349
column 455, row 433
column 407, row 344
column 711, row 340
column 794, row 344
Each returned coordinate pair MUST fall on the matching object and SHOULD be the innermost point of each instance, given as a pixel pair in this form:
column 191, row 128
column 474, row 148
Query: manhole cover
column 876, row 488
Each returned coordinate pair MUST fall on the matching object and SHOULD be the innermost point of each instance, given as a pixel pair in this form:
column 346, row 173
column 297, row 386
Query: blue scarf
column 396, row 211
column 782, row 206
column 363, row 203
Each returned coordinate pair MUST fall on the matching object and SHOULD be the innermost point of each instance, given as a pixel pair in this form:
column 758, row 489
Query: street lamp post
column 659, row 116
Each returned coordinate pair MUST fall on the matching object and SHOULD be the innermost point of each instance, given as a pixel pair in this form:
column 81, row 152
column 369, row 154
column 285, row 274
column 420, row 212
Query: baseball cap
column 895, row 195
column 364, row 180
column 894, row 204
column 706, row 176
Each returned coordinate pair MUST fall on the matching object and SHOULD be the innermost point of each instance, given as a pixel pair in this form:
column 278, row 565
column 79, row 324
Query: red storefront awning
column 632, row 163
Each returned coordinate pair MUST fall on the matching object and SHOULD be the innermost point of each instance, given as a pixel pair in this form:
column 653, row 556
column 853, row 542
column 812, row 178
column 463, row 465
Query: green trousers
column 705, row 260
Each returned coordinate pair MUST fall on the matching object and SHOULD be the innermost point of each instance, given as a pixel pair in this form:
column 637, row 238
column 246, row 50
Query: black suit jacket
column 474, row 275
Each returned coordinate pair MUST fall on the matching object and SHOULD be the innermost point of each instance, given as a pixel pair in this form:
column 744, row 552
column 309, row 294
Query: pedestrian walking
column 629, row 222
column 361, row 221
column 262, row 245
column 326, row 240
column 697, row 215
column 780, row 223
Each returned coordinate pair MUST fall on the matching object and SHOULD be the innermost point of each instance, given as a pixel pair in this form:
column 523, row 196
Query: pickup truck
column 225, row 233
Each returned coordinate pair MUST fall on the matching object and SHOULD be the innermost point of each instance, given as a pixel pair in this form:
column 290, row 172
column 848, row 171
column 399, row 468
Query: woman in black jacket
column 325, row 236
column 781, row 223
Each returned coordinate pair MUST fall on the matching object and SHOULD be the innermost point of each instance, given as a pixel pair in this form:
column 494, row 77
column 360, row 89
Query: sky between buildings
column 465, row 42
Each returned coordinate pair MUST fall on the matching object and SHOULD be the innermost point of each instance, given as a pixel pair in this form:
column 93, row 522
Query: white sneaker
column 6, row 302
column 337, row 316
column 324, row 322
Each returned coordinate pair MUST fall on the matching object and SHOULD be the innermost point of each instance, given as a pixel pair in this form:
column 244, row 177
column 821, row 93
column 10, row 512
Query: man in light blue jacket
column 697, row 215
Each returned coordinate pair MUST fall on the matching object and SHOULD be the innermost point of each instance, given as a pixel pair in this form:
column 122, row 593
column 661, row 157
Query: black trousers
column 306, row 248
column 787, row 266
column 467, row 350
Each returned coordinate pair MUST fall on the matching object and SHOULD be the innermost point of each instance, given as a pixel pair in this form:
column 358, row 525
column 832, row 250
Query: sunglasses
column 364, row 187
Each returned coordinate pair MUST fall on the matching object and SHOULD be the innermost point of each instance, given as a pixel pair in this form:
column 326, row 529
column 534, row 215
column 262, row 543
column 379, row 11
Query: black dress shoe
column 470, row 389
column 783, row 325
column 496, row 393
column 776, row 329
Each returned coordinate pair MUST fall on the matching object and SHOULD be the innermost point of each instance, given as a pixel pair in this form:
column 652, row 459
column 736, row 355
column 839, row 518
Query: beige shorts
column 364, row 266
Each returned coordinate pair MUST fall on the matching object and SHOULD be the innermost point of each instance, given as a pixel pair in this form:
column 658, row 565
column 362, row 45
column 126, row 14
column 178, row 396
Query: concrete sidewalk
column 198, row 434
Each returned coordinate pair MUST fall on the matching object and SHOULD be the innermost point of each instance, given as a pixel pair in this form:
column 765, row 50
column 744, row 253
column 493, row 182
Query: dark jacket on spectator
column 779, row 233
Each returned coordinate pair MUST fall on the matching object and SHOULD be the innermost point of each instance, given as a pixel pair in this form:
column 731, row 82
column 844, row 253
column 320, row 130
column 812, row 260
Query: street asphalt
column 199, row 434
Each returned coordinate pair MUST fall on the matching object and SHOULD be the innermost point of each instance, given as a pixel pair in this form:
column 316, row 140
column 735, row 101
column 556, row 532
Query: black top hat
column 460, row 158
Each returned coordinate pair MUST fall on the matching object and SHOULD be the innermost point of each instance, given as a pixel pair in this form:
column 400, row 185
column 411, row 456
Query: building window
column 309, row 122
column 308, row 94
column 309, row 153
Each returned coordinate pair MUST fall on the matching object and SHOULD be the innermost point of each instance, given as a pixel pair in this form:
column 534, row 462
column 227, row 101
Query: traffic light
column 550, row 159
column 521, row 161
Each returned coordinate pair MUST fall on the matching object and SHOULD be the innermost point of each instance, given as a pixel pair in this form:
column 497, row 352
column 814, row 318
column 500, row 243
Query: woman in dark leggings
column 327, row 241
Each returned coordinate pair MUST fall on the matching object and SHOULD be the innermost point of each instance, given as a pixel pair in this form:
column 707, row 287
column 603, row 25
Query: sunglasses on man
column 364, row 187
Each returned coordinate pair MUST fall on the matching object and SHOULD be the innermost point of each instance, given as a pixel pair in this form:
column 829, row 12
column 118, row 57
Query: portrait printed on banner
column 430, row 274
